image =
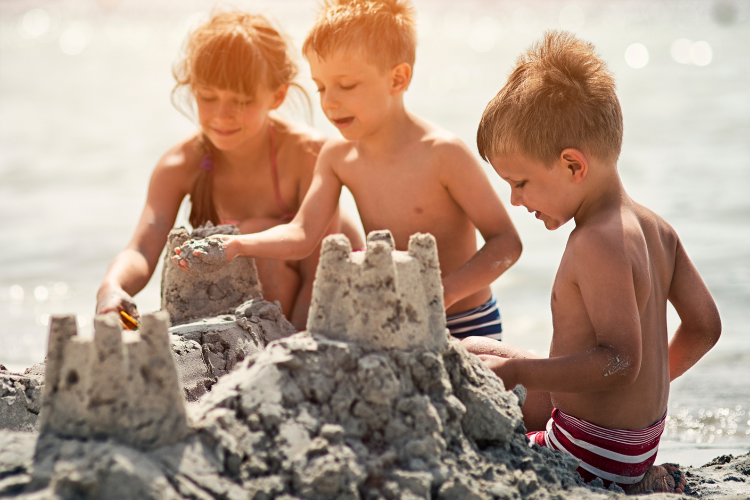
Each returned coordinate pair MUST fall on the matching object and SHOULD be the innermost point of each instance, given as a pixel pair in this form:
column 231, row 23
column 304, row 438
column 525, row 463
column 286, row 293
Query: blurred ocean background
column 85, row 114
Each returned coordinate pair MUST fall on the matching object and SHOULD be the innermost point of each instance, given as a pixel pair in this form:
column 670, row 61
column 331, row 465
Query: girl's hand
column 116, row 300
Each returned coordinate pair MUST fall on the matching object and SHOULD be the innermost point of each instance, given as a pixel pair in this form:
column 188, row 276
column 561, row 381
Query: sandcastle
column 220, row 319
column 116, row 386
column 189, row 296
column 374, row 402
column 380, row 298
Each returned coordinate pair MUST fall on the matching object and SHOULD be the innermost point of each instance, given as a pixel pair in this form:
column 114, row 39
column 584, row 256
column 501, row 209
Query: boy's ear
column 400, row 78
column 576, row 163
column 279, row 96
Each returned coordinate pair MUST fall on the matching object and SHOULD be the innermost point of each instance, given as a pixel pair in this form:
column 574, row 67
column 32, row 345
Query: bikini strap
column 207, row 163
column 288, row 215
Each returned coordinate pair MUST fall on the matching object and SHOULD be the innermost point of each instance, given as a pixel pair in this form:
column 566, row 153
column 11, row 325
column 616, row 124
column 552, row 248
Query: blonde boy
column 405, row 174
column 554, row 134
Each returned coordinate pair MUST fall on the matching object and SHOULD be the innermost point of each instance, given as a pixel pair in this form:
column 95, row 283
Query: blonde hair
column 559, row 95
column 383, row 31
column 234, row 51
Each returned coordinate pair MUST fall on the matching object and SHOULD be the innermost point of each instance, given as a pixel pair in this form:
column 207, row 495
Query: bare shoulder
column 449, row 155
column 180, row 163
column 651, row 222
column 443, row 143
column 336, row 151
column 605, row 238
column 186, row 154
column 298, row 142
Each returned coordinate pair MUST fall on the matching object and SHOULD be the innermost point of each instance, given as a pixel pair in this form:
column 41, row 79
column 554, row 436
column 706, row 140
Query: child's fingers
column 177, row 250
column 181, row 263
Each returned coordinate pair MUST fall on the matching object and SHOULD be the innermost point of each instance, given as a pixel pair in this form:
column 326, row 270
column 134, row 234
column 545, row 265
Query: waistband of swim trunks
column 625, row 436
column 491, row 302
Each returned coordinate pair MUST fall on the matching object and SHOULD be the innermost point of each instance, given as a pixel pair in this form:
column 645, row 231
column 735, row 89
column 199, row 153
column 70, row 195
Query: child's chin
column 551, row 225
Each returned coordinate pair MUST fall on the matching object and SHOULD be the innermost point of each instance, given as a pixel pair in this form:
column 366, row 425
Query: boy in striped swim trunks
column 554, row 132
column 406, row 174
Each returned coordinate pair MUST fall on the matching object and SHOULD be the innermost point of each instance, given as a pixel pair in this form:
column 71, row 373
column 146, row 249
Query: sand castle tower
column 114, row 386
column 189, row 296
column 380, row 298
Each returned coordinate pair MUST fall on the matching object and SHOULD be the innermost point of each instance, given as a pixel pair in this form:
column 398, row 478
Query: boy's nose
column 327, row 101
column 515, row 199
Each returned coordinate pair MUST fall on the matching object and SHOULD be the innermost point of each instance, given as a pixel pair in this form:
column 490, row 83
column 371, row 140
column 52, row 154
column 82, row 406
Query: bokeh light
column 636, row 55
column 34, row 24
column 41, row 293
column 75, row 38
column 572, row 18
column 680, row 50
column 701, row 53
column 16, row 293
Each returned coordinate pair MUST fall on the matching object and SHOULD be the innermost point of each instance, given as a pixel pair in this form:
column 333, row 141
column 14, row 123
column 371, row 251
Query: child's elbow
column 714, row 330
column 622, row 370
column 514, row 248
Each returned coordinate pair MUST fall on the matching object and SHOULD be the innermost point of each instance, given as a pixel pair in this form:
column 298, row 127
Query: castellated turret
column 380, row 298
column 120, row 385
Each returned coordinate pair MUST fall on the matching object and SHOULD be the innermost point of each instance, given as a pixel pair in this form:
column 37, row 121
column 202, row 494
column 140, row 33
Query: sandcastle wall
column 381, row 298
column 123, row 387
column 191, row 296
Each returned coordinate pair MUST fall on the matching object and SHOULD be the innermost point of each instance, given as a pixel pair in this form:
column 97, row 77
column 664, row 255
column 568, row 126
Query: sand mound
column 374, row 402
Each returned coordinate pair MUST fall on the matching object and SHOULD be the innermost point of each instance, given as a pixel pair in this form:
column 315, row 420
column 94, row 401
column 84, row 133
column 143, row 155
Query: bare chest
column 402, row 197
column 255, row 192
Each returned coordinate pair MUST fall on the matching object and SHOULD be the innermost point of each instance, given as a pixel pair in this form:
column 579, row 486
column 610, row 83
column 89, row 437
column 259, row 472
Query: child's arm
column 700, row 325
column 611, row 356
column 296, row 240
column 469, row 186
column 131, row 269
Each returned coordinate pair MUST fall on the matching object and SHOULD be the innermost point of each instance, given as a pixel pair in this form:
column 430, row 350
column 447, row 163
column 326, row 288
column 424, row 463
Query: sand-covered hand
column 211, row 255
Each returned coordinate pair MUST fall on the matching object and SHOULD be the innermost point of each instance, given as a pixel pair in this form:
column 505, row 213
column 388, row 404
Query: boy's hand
column 503, row 368
column 230, row 245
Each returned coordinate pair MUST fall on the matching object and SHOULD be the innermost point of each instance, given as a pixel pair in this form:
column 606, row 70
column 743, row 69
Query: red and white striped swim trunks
column 614, row 455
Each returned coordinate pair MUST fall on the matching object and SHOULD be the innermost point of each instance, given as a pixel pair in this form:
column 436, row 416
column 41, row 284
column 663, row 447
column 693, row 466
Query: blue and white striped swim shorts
column 482, row 321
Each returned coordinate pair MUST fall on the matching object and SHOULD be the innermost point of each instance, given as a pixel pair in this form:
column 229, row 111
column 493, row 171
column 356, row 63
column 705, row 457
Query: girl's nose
column 227, row 109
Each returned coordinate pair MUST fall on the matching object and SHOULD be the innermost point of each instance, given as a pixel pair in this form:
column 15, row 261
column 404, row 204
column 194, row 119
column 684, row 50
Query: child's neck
column 396, row 131
column 251, row 154
column 604, row 192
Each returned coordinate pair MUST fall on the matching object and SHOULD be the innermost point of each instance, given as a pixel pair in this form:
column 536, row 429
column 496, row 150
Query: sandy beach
column 85, row 114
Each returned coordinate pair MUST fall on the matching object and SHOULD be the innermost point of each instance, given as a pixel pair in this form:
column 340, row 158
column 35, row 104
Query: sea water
column 85, row 114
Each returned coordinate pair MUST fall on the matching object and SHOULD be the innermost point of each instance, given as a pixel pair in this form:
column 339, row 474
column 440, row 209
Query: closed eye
column 347, row 87
column 520, row 184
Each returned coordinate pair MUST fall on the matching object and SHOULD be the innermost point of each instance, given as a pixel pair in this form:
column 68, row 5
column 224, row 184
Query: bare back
column 649, row 244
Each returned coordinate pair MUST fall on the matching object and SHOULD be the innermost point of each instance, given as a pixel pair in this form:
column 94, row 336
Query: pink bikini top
column 207, row 164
